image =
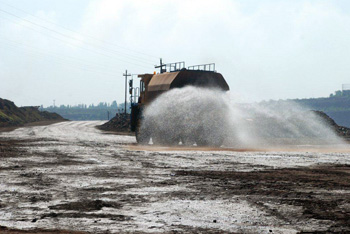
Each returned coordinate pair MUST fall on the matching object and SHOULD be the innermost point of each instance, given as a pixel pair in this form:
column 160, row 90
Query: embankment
column 13, row 116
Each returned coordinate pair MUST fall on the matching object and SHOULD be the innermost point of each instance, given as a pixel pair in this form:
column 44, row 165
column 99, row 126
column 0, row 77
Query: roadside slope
column 13, row 116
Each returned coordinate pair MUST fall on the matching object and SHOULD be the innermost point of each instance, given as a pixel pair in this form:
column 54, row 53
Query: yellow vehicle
column 171, row 76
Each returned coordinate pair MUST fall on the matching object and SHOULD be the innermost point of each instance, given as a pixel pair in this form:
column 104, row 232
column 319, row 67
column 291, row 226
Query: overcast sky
column 76, row 51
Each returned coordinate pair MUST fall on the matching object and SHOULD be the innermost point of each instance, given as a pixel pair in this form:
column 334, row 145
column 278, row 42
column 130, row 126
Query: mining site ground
column 70, row 177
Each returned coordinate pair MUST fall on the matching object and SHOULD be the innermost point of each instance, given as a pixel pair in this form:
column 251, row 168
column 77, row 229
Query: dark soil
column 86, row 205
column 119, row 123
column 312, row 189
column 6, row 230
column 305, row 187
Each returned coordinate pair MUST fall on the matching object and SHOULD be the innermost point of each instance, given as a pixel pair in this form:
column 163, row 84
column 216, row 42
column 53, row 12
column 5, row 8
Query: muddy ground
column 72, row 178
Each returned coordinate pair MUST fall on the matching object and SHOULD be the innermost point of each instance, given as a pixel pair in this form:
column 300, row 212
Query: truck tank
column 153, row 85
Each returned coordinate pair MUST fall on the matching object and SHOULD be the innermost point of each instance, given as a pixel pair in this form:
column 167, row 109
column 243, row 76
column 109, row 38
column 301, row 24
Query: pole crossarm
column 162, row 66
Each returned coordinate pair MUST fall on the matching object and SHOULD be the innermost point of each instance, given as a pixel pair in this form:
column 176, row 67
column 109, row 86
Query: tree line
column 101, row 111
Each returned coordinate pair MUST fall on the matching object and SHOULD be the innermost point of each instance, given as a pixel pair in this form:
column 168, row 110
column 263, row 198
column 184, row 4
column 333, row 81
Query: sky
column 77, row 51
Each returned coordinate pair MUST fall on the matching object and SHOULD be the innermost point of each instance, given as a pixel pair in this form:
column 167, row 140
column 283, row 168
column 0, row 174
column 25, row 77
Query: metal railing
column 203, row 67
column 171, row 67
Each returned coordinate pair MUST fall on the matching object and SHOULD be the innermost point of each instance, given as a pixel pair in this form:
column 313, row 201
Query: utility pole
column 126, row 87
column 161, row 66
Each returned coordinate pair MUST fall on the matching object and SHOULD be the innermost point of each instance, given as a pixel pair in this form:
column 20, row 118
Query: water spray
column 202, row 116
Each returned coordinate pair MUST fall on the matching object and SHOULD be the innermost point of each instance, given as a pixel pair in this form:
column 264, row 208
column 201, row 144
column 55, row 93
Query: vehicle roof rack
column 178, row 66
column 203, row 67
column 170, row 67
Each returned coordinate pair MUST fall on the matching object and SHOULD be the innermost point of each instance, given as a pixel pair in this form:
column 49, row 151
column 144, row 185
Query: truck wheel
column 187, row 141
column 201, row 142
column 217, row 141
column 164, row 139
column 214, row 139
column 142, row 134
column 201, row 137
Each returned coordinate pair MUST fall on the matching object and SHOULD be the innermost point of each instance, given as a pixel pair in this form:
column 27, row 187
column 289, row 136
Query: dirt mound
column 11, row 115
column 340, row 130
column 119, row 123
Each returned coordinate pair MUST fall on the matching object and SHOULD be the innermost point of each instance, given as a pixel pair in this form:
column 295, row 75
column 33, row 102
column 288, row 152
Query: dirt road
column 71, row 176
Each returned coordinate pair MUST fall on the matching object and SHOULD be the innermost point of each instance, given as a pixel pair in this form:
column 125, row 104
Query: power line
column 68, row 29
column 54, row 54
column 67, row 36
column 61, row 34
column 68, row 43
column 88, row 49
column 79, row 67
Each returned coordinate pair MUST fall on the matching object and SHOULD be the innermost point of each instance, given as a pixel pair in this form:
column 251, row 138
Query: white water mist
column 192, row 113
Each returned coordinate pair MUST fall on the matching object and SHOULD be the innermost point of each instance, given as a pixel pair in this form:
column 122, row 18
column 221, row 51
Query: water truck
column 173, row 75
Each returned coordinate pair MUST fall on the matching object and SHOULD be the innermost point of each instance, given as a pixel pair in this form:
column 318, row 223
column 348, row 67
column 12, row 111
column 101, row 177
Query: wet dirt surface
column 72, row 178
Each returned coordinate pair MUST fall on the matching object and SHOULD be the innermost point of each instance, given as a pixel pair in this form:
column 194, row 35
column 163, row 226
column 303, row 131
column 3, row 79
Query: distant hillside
column 11, row 115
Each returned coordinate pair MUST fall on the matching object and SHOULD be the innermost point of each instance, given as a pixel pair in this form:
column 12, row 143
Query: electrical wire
column 68, row 29
column 61, row 56
column 67, row 36
column 88, row 49
column 62, row 62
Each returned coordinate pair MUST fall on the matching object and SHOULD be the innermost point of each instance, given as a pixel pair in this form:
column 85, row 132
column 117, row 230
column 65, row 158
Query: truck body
column 153, row 85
